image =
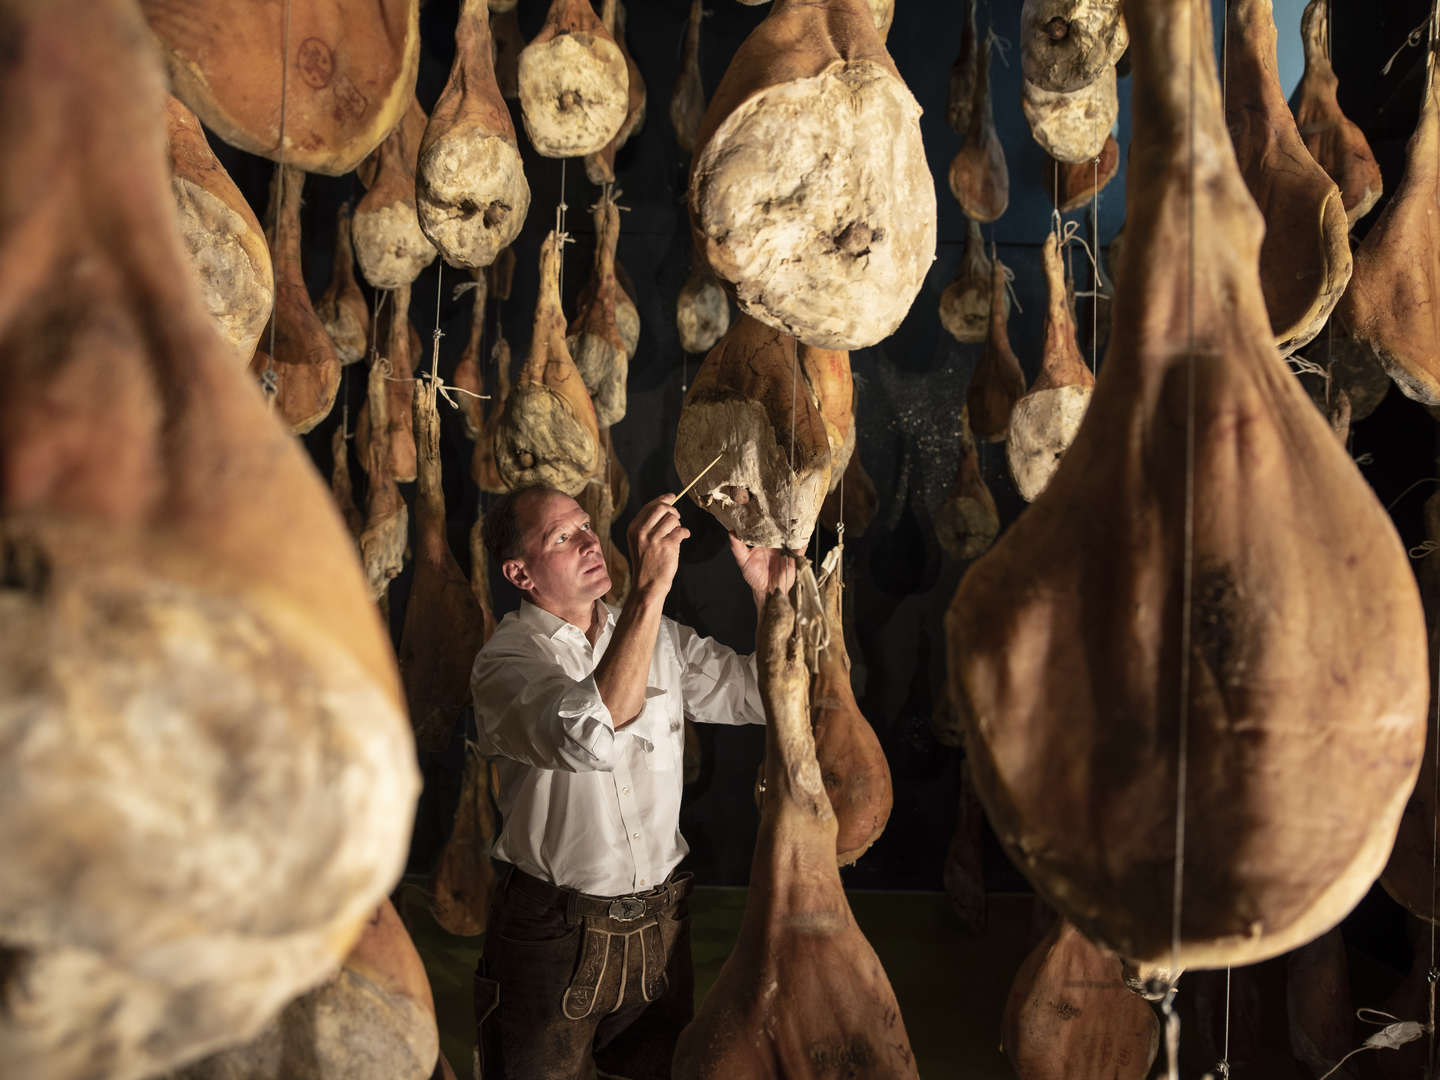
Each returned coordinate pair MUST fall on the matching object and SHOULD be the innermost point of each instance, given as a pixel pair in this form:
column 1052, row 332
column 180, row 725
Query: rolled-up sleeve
column 527, row 710
column 720, row 685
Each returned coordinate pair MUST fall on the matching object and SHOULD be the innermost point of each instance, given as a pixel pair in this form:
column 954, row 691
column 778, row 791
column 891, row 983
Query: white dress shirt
column 585, row 806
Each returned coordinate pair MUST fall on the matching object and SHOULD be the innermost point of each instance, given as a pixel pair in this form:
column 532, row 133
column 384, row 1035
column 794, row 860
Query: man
column 587, row 952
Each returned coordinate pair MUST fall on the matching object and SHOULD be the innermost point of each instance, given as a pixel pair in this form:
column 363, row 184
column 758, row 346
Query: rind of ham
column 181, row 609
column 470, row 188
column 748, row 405
column 997, row 382
column 594, row 338
column 1070, row 1017
column 573, row 83
column 812, row 102
column 802, row 994
column 342, row 310
column 978, row 176
column 350, row 75
column 227, row 247
column 1072, row 127
column 306, row 367
column 1333, row 139
column 390, row 245
column 376, row 1014
column 1066, row 45
column 1305, row 261
column 967, row 522
column 600, row 166
column 1044, row 421
column 547, row 432
column 1392, row 305
column 1288, row 566
column 687, row 102
column 965, row 303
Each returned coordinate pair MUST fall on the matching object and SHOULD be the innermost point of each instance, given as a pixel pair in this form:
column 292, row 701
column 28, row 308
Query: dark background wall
column 909, row 389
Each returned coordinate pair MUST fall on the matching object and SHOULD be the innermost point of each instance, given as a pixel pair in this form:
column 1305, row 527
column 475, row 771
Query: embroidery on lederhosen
column 653, row 961
column 590, row 984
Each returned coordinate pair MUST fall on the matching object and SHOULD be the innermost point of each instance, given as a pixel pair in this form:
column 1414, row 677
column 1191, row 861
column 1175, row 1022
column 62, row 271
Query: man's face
column 561, row 565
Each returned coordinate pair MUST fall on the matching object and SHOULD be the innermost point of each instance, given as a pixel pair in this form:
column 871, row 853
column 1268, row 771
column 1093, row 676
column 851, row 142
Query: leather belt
column 578, row 905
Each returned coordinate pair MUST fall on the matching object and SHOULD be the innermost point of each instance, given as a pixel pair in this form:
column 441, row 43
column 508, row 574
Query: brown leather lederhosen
column 566, row 974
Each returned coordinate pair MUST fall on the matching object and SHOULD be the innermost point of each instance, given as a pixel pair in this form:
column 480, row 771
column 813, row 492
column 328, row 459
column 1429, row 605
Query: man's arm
column 528, row 709
column 655, row 537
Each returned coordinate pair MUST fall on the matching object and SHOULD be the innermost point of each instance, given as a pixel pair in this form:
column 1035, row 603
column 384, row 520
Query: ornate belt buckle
column 626, row 908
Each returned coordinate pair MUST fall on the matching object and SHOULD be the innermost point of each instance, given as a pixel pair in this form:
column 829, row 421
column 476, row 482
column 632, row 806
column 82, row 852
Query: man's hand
column 655, row 537
column 764, row 569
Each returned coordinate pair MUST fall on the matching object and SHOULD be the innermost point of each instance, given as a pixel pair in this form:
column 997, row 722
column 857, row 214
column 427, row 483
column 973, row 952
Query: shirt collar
column 551, row 625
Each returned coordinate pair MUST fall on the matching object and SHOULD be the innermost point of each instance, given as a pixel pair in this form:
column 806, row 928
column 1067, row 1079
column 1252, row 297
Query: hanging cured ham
column 471, row 196
column 997, row 382
column 687, row 104
column 1332, row 138
column 960, row 95
column 967, row 522
column 1066, row 45
column 390, row 245
column 157, row 639
column 375, row 1017
column 600, row 166
column 802, row 994
column 832, row 388
column 444, row 625
column 749, row 405
column 227, row 248
column 1071, row 730
column 852, row 762
column 1069, row 1017
column 965, row 303
column 1072, row 127
column 964, row 871
column 594, row 337
column 810, row 194
column 398, row 429
column 341, row 486
column 387, row 520
column 978, row 176
column 702, row 310
column 1044, row 421
column 547, row 432
column 1305, row 259
column 1392, row 305
column 346, row 82
column 1073, row 185
column 464, row 873
column 483, row 469
column 574, row 85
column 302, row 367
column 342, row 310
column 467, row 375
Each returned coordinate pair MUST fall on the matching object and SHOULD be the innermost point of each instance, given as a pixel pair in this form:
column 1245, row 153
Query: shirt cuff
column 586, row 720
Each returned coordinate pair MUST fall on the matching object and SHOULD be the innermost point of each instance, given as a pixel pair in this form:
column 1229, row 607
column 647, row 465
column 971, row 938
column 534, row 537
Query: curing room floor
column 951, row 987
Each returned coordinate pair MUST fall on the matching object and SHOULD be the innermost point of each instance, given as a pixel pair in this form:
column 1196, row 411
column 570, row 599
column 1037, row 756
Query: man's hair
column 501, row 532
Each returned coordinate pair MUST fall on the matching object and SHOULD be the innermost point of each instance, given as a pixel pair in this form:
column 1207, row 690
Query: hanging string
column 1412, row 40
column 270, row 378
column 1069, row 233
column 1172, row 1018
column 1096, row 283
column 560, row 209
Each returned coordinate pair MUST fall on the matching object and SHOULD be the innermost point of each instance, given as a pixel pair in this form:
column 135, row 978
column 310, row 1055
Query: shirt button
column 624, row 791
column 635, row 836
column 644, row 882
